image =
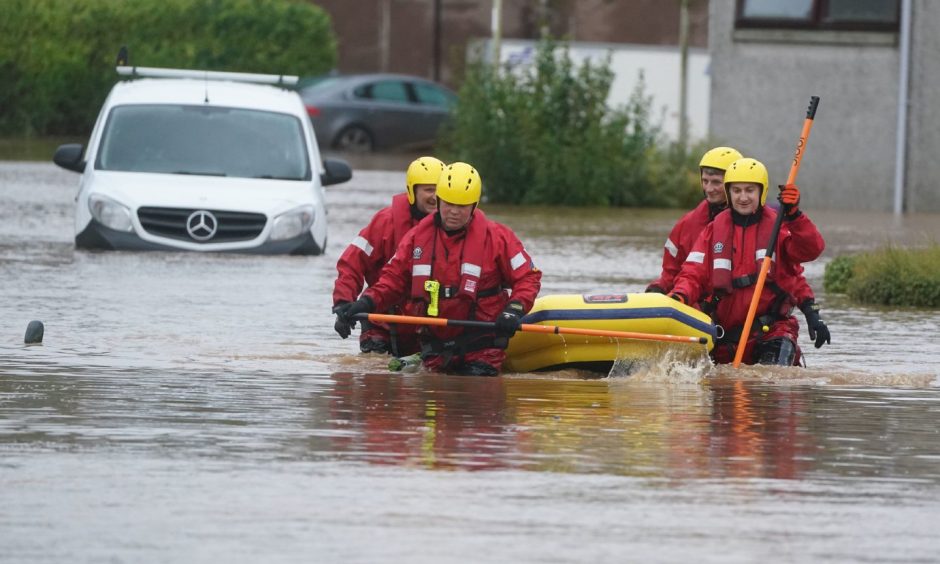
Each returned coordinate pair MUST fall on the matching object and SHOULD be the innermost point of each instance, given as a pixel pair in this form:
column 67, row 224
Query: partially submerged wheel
column 310, row 248
column 354, row 139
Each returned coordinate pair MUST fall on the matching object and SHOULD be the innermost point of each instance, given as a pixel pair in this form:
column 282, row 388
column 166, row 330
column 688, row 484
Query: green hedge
column 57, row 57
column 544, row 135
column 838, row 274
column 888, row 276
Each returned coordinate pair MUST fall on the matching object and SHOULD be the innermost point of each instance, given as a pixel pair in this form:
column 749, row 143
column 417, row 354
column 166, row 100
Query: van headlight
column 110, row 213
column 292, row 223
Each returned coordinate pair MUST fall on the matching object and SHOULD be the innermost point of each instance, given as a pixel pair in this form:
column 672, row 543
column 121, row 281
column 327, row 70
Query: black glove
column 818, row 331
column 654, row 289
column 510, row 320
column 341, row 326
column 679, row 298
column 345, row 312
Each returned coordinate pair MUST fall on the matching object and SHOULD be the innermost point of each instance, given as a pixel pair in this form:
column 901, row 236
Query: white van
column 202, row 161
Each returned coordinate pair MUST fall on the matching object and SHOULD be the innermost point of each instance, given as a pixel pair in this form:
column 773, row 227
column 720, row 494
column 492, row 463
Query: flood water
column 200, row 408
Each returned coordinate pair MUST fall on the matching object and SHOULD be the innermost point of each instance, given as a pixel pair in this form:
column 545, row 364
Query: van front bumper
column 98, row 237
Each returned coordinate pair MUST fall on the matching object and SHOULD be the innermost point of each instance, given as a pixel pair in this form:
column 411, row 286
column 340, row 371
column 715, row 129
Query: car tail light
column 313, row 111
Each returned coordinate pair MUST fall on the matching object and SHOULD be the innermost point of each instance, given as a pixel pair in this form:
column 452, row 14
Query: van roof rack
column 154, row 72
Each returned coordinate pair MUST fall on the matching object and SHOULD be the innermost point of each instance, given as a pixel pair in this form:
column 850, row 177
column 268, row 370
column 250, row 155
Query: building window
column 867, row 15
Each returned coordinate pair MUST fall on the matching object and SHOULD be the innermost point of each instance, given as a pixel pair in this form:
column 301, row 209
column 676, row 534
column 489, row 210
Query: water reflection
column 434, row 421
column 719, row 428
column 760, row 431
column 716, row 429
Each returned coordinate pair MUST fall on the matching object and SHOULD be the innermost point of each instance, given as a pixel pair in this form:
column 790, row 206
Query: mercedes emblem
column 201, row 225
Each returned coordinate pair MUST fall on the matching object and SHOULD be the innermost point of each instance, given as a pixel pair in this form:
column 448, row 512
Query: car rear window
column 386, row 91
column 428, row 94
column 204, row 140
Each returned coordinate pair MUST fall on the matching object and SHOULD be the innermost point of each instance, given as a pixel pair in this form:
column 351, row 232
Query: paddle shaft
column 772, row 244
column 529, row 327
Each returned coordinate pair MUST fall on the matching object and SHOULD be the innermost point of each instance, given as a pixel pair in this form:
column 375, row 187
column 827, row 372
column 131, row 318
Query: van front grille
column 197, row 225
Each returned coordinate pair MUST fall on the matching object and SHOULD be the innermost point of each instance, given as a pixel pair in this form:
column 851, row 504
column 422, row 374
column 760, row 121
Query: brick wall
column 407, row 43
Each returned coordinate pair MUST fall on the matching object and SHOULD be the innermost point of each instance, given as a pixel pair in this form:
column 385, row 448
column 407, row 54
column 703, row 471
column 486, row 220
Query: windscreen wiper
column 273, row 177
column 199, row 173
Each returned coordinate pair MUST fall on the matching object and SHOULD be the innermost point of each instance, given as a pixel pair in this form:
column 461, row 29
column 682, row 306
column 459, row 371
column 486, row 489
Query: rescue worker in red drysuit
column 363, row 260
column 456, row 264
column 726, row 259
column 712, row 169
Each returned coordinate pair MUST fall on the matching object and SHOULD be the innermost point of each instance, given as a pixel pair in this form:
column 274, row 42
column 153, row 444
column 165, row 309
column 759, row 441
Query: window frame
column 368, row 89
column 447, row 98
column 815, row 21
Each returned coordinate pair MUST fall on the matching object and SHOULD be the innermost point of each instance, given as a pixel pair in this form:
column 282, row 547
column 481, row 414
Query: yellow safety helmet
column 459, row 184
column 747, row 170
column 423, row 170
column 720, row 158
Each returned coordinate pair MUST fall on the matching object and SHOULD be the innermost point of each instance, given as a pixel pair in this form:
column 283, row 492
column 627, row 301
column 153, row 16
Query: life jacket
column 471, row 266
column 722, row 268
column 723, row 250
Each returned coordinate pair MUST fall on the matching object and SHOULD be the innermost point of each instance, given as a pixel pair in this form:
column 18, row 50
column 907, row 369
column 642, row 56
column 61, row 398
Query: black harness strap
column 733, row 335
column 744, row 281
column 750, row 279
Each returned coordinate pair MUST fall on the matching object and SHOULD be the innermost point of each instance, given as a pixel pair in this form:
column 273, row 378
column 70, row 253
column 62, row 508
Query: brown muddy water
column 199, row 408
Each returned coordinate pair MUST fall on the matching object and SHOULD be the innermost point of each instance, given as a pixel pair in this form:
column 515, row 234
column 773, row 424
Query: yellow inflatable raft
column 641, row 313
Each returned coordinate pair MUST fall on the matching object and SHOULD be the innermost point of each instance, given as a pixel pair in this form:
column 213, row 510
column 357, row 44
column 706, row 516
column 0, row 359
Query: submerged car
column 202, row 161
column 367, row 112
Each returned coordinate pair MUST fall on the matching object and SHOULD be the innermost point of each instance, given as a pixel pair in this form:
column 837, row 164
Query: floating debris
column 34, row 333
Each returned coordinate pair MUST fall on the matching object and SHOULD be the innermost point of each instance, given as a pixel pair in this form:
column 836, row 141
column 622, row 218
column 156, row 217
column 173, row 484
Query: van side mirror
column 69, row 157
column 337, row 171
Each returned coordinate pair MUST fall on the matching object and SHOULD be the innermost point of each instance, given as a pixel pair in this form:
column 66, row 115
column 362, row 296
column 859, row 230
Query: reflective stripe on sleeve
column 517, row 261
column 361, row 242
column 761, row 253
column 696, row 257
column 672, row 248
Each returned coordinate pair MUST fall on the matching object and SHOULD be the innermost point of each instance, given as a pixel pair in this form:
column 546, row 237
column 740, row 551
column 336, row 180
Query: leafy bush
column 58, row 55
column 889, row 276
column 544, row 135
column 838, row 274
column 675, row 173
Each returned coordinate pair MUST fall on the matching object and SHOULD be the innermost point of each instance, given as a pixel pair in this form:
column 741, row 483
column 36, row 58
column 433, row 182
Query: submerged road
column 200, row 408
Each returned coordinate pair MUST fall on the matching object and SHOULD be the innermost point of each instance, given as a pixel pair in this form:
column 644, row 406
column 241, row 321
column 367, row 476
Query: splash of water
column 668, row 365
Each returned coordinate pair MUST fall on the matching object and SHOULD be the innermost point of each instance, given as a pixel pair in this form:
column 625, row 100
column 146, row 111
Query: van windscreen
column 204, row 140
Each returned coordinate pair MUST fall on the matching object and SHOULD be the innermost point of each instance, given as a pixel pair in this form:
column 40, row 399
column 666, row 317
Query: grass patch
column 32, row 148
column 889, row 276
